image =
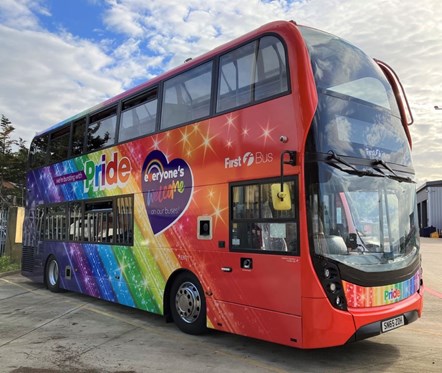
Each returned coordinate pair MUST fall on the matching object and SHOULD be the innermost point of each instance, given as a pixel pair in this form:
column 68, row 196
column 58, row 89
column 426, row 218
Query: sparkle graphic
column 217, row 209
column 156, row 142
column 207, row 143
column 266, row 133
column 185, row 139
column 230, row 122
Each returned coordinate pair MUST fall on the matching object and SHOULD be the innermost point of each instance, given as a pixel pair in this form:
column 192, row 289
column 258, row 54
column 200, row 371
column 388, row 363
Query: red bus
column 264, row 189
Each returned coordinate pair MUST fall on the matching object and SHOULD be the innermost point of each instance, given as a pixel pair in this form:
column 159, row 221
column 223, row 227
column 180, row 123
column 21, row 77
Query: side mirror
column 281, row 199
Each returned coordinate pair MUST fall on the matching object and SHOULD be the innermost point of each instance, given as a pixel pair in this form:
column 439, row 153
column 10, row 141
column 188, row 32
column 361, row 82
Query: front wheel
column 53, row 275
column 188, row 304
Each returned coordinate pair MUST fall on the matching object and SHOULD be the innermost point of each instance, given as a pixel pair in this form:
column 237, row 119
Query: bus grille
column 27, row 263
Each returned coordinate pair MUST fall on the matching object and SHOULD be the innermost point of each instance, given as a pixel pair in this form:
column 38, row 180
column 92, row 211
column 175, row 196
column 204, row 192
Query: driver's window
column 257, row 225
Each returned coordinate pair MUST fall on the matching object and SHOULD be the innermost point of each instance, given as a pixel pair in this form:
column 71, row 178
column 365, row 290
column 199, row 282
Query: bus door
column 262, row 267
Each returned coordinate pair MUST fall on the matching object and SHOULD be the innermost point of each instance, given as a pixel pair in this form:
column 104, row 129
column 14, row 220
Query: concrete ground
column 45, row 332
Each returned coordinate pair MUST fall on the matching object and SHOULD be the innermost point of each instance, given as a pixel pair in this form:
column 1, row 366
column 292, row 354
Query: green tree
column 13, row 160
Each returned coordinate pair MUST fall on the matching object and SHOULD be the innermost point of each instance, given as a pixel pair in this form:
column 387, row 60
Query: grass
column 7, row 265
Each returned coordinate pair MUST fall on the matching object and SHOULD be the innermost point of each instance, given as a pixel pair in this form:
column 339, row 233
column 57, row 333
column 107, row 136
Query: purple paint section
column 69, row 178
column 85, row 278
column 167, row 188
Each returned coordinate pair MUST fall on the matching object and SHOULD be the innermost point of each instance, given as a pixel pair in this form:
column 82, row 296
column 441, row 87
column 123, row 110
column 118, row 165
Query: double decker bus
column 264, row 189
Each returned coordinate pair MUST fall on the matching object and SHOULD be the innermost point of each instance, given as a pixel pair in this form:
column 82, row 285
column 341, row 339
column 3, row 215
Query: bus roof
column 274, row 26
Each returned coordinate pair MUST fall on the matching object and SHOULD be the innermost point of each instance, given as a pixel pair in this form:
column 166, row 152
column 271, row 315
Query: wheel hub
column 188, row 302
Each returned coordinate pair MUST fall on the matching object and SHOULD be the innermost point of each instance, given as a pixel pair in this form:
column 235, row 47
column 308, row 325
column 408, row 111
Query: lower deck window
column 257, row 225
column 104, row 220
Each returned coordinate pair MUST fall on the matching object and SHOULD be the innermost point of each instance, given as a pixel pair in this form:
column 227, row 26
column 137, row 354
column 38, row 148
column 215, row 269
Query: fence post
column 3, row 229
column 14, row 232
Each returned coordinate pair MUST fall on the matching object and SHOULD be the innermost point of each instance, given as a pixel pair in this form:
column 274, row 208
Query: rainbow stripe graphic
column 359, row 296
column 136, row 275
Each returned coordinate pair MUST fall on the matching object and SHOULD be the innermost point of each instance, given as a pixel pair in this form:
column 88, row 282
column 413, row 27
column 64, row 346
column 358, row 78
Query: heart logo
column 167, row 188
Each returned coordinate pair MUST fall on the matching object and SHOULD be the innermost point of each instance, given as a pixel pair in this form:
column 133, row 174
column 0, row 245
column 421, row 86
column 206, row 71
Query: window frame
column 55, row 135
column 43, row 233
column 79, row 122
column 32, row 159
column 294, row 219
column 180, row 79
column 104, row 114
column 144, row 97
column 257, row 49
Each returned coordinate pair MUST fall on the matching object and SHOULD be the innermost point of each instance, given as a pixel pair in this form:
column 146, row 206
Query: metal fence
column 3, row 229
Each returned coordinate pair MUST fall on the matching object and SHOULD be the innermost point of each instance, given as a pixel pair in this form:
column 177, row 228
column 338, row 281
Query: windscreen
column 368, row 223
column 357, row 112
column 359, row 177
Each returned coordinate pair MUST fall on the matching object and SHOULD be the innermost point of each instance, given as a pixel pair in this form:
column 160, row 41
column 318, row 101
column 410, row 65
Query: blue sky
column 60, row 57
column 79, row 17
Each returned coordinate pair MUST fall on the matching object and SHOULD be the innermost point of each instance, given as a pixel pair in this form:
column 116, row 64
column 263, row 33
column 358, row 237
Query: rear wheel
column 53, row 275
column 188, row 304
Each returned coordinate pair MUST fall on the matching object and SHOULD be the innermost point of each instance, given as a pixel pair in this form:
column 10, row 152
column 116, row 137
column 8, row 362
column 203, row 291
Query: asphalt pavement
column 45, row 332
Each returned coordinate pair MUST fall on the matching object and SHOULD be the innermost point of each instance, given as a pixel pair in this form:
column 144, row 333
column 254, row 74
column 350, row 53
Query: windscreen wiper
column 393, row 175
column 332, row 159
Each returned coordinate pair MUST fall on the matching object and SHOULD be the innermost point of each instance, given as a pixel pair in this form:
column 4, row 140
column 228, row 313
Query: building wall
column 431, row 193
column 435, row 207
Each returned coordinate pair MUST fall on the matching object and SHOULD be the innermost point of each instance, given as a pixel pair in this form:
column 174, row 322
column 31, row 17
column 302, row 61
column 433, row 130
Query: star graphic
column 266, row 133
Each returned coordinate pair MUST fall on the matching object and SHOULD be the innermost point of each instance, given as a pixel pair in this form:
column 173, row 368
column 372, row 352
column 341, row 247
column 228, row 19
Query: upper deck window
column 139, row 116
column 357, row 113
column 187, row 96
column 38, row 151
column 101, row 130
column 78, row 137
column 341, row 68
column 59, row 144
column 253, row 72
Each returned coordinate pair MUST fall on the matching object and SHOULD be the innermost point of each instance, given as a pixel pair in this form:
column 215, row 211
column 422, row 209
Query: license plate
column 393, row 323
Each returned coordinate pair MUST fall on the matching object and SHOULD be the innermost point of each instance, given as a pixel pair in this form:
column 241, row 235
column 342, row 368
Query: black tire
column 188, row 304
column 52, row 274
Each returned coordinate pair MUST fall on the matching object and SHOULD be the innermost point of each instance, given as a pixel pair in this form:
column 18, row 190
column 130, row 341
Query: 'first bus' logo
column 248, row 159
column 107, row 174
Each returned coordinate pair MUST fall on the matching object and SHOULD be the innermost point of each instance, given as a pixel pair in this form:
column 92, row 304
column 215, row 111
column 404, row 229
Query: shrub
column 7, row 265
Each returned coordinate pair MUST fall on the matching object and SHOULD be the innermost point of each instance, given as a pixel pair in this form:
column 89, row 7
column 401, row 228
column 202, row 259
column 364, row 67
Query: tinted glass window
column 38, row 151
column 59, row 145
column 98, row 221
column 78, row 137
column 75, row 221
column 257, row 225
column 236, row 77
column 341, row 68
column 101, row 130
column 187, row 96
column 56, row 225
column 138, row 117
column 124, row 220
column 253, row 72
column 271, row 70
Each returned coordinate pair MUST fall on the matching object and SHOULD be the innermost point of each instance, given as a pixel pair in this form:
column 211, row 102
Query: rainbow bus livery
column 264, row 189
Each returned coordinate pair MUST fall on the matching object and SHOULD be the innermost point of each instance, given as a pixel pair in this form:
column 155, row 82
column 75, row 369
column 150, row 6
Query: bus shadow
column 358, row 356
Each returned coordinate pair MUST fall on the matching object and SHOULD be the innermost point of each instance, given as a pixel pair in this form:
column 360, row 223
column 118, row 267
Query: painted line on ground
column 433, row 292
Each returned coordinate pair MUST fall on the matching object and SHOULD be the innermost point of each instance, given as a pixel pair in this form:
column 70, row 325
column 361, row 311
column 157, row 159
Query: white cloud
column 121, row 18
column 20, row 14
column 47, row 77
